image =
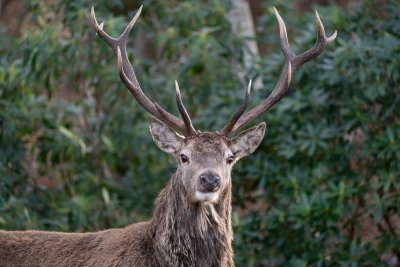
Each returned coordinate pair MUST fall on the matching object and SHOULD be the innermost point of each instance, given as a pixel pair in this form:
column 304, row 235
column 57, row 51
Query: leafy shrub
column 322, row 190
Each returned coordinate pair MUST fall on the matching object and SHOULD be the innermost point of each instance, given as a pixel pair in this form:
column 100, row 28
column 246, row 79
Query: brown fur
column 182, row 232
column 179, row 234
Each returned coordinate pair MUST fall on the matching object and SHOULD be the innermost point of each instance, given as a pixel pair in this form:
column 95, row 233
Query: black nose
column 210, row 181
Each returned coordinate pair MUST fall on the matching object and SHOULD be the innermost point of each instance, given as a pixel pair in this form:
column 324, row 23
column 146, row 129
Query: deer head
column 205, row 159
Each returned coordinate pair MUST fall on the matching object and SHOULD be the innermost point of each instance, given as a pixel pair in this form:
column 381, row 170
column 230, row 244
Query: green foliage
column 322, row 190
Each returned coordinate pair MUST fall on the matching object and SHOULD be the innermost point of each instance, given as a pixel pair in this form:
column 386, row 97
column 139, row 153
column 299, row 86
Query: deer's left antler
column 292, row 63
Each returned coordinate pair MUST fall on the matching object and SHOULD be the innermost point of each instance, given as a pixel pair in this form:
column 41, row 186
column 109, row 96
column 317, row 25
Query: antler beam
column 292, row 63
column 129, row 79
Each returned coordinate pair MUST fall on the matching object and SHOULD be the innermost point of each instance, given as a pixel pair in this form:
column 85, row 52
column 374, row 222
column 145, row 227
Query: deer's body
column 105, row 248
column 191, row 224
column 179, row 234
column 182, row 232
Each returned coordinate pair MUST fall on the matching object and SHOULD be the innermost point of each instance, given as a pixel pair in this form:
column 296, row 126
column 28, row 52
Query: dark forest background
column 323, row 189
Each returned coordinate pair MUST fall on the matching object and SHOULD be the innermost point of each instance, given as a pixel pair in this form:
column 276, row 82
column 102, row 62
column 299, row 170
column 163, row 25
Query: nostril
column 203, row 180
column 210, row 181
column 217, row 180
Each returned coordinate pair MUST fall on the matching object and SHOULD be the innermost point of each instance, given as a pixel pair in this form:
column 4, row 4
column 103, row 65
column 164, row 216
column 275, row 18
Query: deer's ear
column 164, row 137
column 248, row 141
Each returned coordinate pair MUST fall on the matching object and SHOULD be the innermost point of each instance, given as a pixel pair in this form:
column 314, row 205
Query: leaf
column 106, row 196
column 69, row 134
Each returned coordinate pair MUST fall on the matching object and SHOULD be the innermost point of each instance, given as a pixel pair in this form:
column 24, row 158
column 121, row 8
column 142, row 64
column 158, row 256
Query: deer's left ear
column 248, row 141
column 164, row 137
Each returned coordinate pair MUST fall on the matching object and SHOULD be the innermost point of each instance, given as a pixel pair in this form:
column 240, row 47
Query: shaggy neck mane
column 191, row 234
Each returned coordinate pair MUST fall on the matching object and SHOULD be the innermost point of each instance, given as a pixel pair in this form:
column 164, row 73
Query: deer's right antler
column 128, row 77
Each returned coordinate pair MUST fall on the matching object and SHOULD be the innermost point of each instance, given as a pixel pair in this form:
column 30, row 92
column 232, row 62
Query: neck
column 191, row 234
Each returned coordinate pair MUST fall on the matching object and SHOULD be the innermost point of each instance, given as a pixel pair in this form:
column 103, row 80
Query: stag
column 191, row 223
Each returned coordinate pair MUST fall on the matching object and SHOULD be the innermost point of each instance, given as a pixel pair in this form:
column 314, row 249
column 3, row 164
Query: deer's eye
column 230, row 159
column 184, row 158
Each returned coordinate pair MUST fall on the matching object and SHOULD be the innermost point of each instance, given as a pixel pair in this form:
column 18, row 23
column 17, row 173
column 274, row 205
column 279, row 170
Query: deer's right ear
column 164, row 137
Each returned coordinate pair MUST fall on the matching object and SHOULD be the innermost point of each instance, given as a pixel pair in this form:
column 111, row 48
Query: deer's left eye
column 230, row 159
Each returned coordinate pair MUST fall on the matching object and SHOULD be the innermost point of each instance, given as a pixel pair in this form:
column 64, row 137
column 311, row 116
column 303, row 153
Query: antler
column 236, row 116
column 128, row 77
column 292, row 63
column 185, row 116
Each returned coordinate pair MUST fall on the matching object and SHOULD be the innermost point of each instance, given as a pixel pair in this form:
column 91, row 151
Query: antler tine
column 128, row 76
column 227, row 130
column 114, row 42
column 185, row 115
column 322, row 41
column 99, row 29
column 283, row 35
column 292, row 63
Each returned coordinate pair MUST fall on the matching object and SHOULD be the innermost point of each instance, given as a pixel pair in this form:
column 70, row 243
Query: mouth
column 206, row 196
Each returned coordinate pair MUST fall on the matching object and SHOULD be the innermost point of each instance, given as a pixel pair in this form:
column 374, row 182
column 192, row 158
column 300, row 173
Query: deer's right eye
column 184, row 158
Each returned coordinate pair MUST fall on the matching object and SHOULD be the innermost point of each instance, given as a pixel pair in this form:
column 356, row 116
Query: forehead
column 208, row 143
